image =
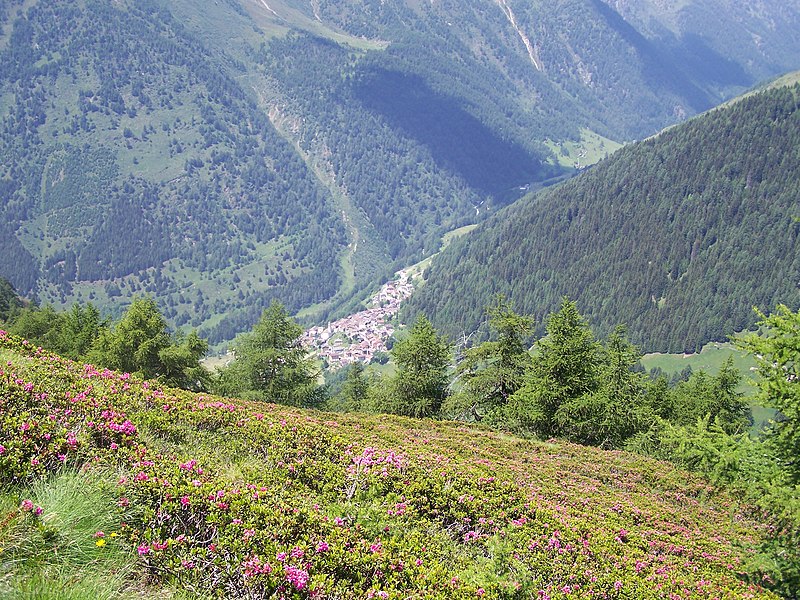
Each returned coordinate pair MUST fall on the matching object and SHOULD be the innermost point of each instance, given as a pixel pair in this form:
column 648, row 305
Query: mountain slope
column 224, row 498
column 221, row 154
column 678, row 236
column 132, row 160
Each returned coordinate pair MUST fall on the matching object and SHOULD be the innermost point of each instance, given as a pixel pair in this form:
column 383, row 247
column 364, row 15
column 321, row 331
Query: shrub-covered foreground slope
column 678, row 236
column 236, row 499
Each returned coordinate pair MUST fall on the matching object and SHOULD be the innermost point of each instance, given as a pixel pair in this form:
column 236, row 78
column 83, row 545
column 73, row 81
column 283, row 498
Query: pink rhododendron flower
column 297, row 577
column 253, row 566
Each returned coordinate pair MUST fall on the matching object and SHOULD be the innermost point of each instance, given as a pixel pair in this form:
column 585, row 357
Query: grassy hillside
column 678, row 236
column 710, row 359
column 112, row 484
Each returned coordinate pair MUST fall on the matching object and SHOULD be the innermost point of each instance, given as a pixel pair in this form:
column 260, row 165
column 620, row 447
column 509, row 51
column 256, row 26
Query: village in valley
column 358, row 337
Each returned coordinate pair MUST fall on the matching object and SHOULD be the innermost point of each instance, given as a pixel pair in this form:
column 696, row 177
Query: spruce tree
column 566, row 365
column 423, row 361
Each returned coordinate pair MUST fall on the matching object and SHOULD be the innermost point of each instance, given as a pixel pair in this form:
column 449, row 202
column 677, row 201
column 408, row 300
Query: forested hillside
column 219, row 155
column 132, row 161
column 678, row 236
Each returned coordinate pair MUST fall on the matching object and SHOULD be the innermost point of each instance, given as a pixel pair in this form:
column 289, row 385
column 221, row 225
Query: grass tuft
column 59, row 554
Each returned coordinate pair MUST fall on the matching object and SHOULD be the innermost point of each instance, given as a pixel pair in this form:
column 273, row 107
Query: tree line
column 567, row 385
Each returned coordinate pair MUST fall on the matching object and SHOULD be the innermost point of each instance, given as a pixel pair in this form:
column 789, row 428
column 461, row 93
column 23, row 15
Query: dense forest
column 678, row 236
column 222, row 155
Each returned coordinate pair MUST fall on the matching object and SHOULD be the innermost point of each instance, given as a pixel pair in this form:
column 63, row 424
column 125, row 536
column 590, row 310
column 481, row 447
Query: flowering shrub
column 248, row 500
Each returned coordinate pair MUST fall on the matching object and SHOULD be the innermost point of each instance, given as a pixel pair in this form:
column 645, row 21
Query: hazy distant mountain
column 678, row 236
column 221, row 154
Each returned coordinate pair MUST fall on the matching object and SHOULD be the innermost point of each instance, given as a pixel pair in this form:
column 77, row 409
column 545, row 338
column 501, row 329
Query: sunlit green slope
column 222, row 498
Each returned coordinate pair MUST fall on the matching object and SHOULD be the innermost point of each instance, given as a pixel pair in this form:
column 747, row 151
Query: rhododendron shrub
column 249, row 500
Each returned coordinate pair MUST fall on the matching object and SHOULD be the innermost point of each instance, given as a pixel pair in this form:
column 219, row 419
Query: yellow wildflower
column 100, row 543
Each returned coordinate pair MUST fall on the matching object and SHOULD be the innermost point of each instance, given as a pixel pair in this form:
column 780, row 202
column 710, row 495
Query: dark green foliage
column 593, row 394
column 41, row 326
column 713, row 396
column 566, row 366
column 271, row 364
column 419, row 387
column 180, row 362
column 133, row 345
column 491, row 372
column 618, row 408
column 777, row 349
column 354, row 391
column 79, row 328
column 141, row 343
column 666, row 236
column 10, row 302
column 765, row 469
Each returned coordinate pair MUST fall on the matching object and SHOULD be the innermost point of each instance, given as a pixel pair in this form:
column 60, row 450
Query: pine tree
column 566, row 365
column 618, row 409
column 777, row 349
column 494, row 370
column 141, row 343
column 271, row 364
column 134, row 343
column 423, row 361
column 355, row 389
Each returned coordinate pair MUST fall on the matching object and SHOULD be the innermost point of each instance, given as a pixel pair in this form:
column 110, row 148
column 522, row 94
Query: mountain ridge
column 664, row 236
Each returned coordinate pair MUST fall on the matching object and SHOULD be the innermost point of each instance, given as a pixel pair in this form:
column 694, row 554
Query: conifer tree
column 423, row 360
column 618, row 409
column 492, row 371
column 141, row 343
column 271, row 364
column 566, row 365
column 355, row 389
column 777, row 349
column 134, row 343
